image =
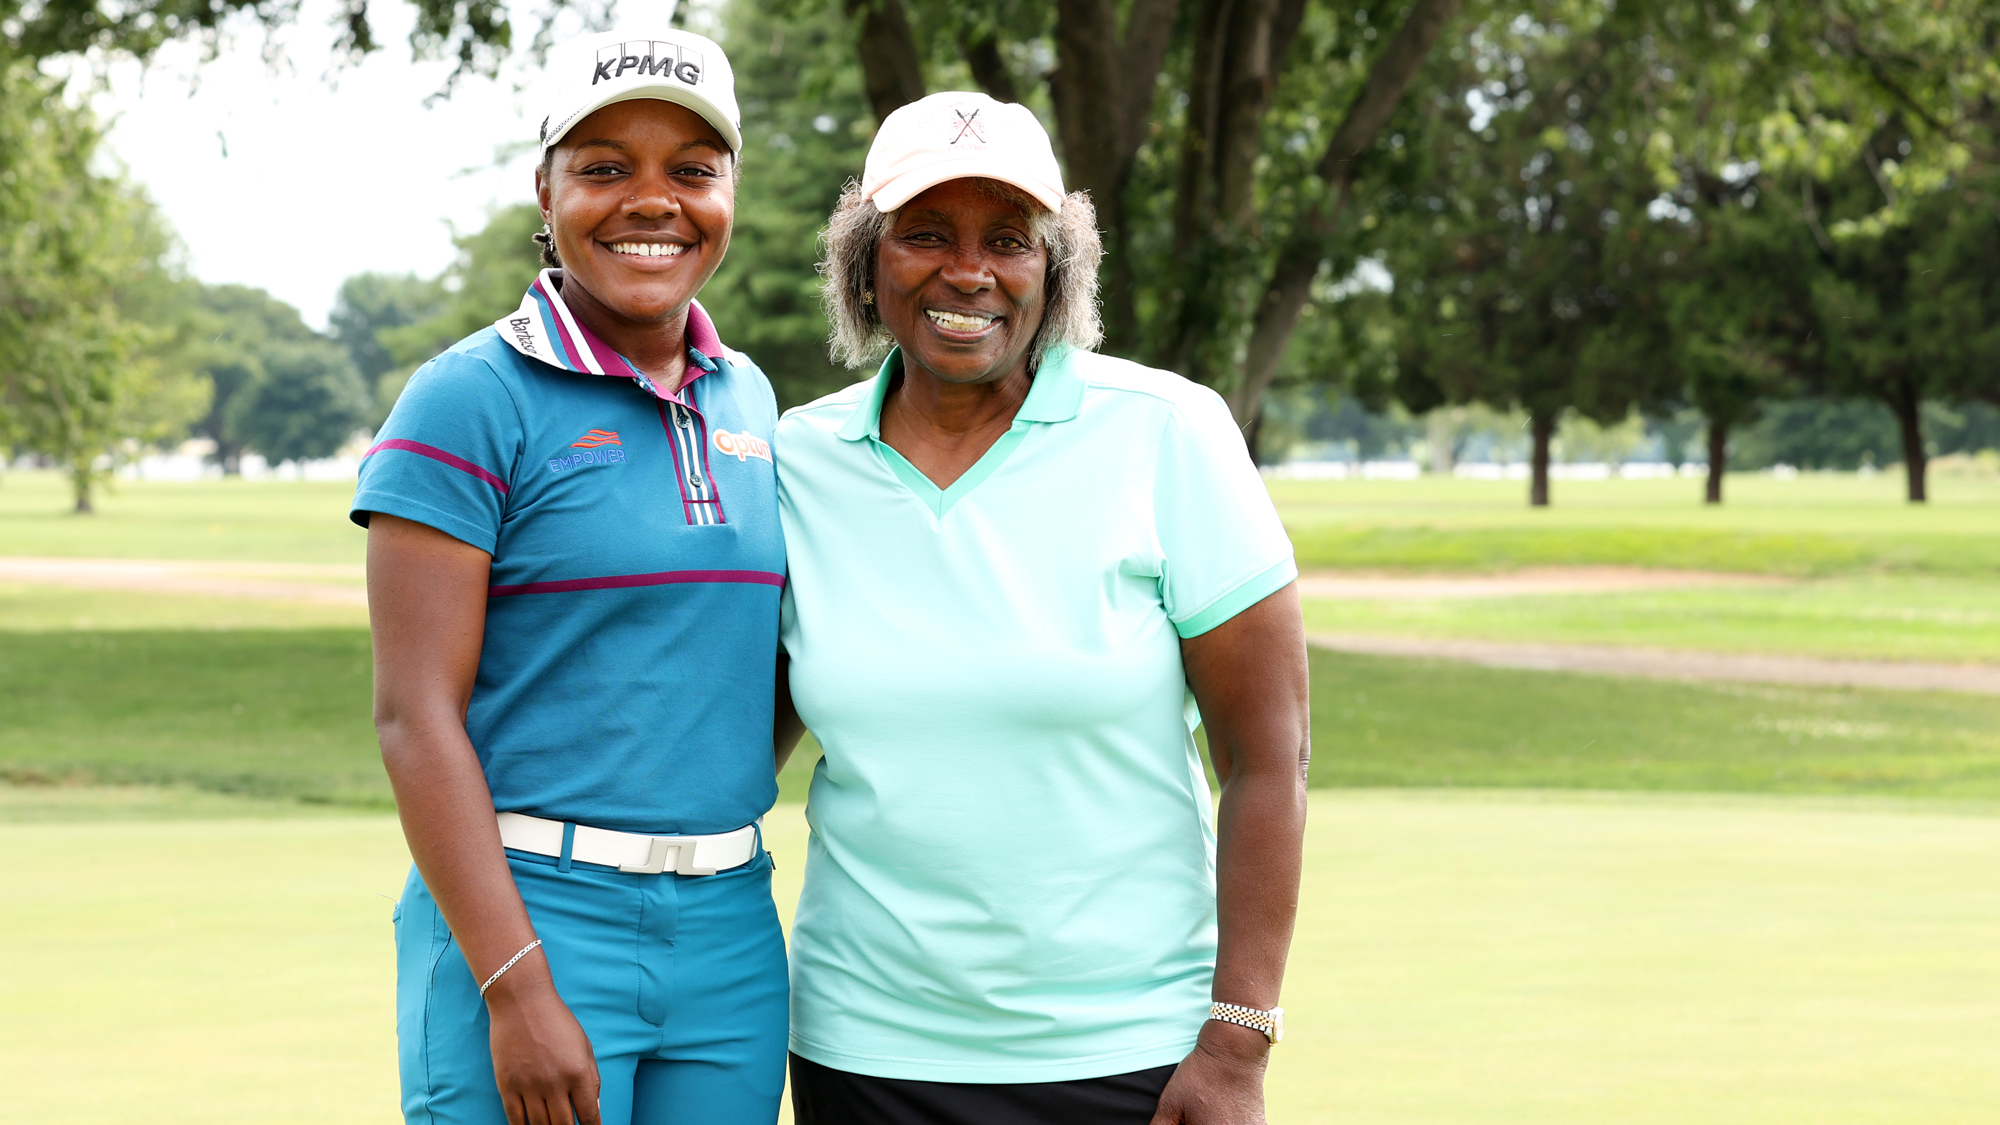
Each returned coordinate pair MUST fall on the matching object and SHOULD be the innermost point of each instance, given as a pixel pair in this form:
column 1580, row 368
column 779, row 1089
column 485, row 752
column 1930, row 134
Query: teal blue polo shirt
column 626, row 675
column 1011, row 875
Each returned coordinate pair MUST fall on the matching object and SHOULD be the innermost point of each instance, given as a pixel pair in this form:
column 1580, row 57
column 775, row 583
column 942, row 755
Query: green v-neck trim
column 940, row 500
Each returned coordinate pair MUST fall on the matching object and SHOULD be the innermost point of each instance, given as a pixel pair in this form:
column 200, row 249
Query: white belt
column 630, row 851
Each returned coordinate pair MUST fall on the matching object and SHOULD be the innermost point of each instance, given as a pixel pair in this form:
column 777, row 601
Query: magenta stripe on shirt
column 627, row 581
column 436, row 454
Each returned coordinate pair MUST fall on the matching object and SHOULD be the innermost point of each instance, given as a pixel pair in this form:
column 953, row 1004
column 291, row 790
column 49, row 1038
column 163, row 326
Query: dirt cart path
column 1673, row 664
column 1355, row 585
column 331, row 584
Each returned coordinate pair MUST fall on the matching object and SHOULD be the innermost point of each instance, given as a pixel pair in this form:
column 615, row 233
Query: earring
column 544, row 237
column 868, row 296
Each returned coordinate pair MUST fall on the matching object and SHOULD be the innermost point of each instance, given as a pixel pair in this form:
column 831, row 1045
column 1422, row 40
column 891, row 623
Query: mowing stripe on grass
column 1387, row 721
column 285, row 715
column 1677, row 664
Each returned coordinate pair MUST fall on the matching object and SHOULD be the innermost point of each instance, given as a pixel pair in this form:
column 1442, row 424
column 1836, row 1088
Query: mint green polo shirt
column 1011, row 876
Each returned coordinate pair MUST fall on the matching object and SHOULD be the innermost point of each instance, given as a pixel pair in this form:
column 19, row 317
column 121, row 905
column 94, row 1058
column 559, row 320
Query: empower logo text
column 595, row 447
column 583, row 457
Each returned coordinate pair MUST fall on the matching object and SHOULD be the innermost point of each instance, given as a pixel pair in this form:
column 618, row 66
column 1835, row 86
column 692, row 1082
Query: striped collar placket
column 543, row 328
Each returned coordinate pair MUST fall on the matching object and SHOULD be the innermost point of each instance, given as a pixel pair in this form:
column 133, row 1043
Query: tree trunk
column 80, row 483
column 1718, row 459
column 891, row 69
column 989, row 67
column 1102, row 88
column 1240, row 47
column 1908, row 405
column 1543, row 427
column 1441, row 435
column 1290, row 284
column 1252, row 437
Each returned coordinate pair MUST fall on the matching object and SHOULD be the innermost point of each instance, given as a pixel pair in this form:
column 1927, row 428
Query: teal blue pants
column 678, row 980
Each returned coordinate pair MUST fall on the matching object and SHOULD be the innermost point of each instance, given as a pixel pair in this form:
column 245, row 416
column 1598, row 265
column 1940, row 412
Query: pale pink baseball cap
column 955, row 136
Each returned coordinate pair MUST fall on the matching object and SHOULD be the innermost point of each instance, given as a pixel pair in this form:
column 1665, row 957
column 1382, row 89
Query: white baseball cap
column 590, row 72
column 956, row 136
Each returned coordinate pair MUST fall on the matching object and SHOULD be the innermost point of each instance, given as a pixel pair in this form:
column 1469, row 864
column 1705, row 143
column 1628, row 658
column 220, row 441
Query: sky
column 291, row 176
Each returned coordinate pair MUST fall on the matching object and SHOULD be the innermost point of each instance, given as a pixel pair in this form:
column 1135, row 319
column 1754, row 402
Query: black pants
column 822, row 1095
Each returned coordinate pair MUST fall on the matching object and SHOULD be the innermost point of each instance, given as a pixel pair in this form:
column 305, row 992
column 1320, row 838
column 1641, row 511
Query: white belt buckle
column 656, row 859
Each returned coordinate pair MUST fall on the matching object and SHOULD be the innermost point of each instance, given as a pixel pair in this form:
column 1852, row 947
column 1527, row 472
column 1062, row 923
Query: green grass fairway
column 1650, row 962
column 284, row 715
column 1876, row 617
column 1461, row 960
column 264, row 713
column 1814, row 525
column 235, row 971
column 1384, row 721
column 266, row 521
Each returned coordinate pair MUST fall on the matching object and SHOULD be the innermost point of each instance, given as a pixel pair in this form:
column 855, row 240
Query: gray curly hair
column 854, row 233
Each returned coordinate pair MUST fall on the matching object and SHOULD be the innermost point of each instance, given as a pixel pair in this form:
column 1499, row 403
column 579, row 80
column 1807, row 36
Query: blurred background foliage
column 1730, row 232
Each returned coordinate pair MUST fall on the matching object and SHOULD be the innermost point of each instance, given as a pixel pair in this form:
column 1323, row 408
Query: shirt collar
column 543, row 328
column 1055, row 395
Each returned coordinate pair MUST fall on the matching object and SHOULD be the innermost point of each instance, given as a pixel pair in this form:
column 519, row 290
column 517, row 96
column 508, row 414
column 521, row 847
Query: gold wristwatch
column 1271, row 1023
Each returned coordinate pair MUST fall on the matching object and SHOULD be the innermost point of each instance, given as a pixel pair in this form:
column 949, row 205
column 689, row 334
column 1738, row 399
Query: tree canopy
column 94, row 340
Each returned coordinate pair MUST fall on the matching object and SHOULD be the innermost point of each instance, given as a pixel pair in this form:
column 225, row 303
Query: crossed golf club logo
column 968, row 125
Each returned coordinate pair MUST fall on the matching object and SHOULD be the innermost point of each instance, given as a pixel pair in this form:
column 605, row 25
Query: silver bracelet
column 525, row 950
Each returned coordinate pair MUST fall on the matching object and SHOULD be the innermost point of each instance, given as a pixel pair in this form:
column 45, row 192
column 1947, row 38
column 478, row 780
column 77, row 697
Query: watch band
column 1271, row 1023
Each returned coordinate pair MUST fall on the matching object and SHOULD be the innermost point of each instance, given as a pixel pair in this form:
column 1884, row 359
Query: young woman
column 574, row 565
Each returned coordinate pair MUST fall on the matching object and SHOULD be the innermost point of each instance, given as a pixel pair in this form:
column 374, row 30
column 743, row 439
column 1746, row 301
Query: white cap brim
column 891, row 195
column 665, row 92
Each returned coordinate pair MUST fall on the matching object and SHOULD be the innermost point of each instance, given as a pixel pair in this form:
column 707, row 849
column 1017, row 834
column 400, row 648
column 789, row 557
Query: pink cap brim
column 899, row 190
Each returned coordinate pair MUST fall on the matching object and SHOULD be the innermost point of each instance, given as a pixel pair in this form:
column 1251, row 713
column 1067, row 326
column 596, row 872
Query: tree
column 1528, row 267
column 1741, row 314
column 245, row 325
column 1880, row 122
column 1955, row 306
column 1865, row 312
column 84, row 378
column 370, row 305
column 305, row 403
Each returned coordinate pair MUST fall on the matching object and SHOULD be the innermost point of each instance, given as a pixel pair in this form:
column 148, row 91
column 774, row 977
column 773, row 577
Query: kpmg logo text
column 650, row 58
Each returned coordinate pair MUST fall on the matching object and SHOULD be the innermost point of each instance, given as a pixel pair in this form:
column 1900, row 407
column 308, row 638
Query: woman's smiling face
column 961, row 282
column 640, row 197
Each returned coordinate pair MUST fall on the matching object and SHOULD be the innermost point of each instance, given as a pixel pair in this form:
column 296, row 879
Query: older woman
column 575, row 610
column 1011, row 562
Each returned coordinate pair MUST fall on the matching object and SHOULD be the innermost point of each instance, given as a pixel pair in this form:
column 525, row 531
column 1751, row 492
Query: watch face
column 1277, row 1025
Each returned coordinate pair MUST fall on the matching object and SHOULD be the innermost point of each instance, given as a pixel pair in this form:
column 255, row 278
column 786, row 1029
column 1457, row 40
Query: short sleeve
column 445, row 456
column 1222, row 546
